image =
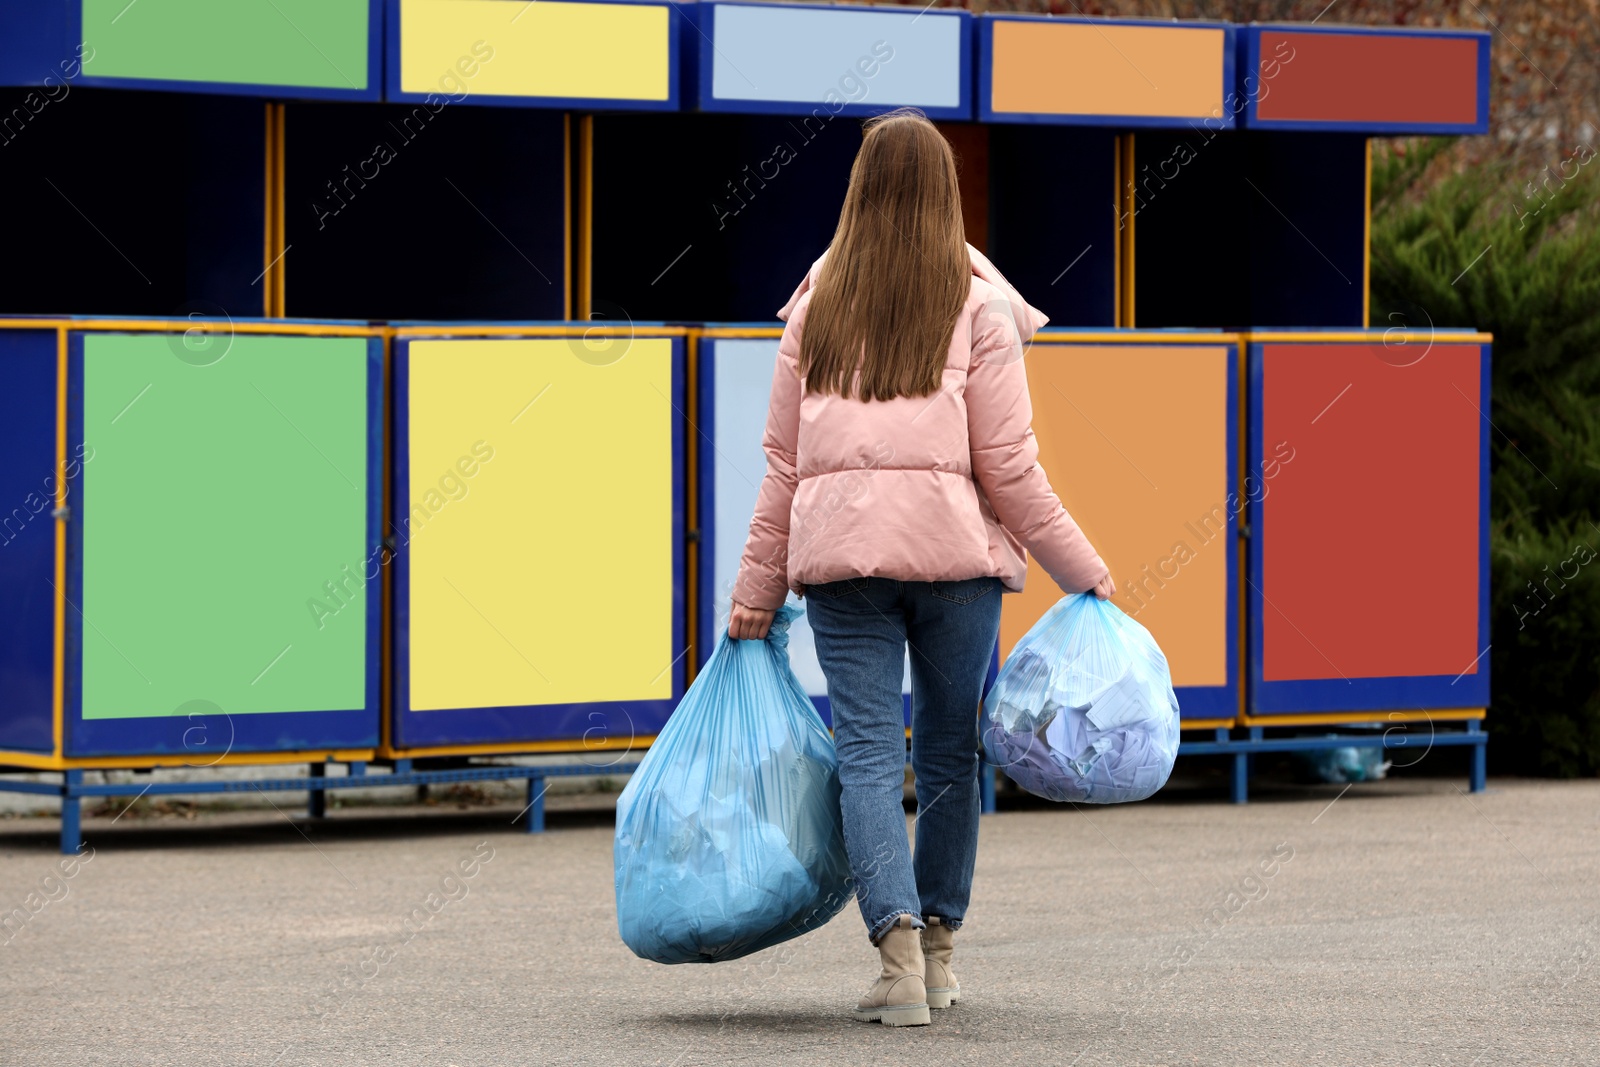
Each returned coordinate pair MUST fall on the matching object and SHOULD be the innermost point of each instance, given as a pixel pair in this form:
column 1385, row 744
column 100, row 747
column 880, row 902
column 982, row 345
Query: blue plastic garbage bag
column 1083, row 709
column 1340, row 765
column 729, row 838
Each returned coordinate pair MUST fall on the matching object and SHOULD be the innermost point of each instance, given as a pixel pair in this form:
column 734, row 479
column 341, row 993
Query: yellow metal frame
column 585, row 217
column 573, row 330
column 1336, row 718
column 1136, row 337
column 59, row 651
column 740, row 331
column 1443, row 337
column 272, row 272
column 308, row 329
column 386, row 573
column 1366, row 246
column 525, row 748
column 35, row 761
column 691, row 488
column 1205, row 724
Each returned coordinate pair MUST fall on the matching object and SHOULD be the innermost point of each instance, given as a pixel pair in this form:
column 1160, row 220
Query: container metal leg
column 1241, row 778
column 71, row 814
column 986, row 788
column 1479, row 779
column 535, row 806
column 317, row 804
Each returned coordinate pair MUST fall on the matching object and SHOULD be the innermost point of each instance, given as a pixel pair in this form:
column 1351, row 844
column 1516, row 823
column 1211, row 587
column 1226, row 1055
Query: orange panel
column 1135, row 441
column 1077, row 68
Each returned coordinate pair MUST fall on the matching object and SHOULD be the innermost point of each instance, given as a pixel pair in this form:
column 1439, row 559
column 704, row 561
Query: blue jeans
column 862, row 628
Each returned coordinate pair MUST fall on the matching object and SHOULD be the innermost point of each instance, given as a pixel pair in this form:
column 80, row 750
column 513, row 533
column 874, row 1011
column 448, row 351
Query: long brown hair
column 896, row 275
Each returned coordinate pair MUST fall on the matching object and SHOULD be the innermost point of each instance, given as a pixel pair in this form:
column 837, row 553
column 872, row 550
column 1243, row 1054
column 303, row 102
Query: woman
column 902, row 488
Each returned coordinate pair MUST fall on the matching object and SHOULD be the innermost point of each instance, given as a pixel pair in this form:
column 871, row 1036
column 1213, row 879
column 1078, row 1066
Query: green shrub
column 1516, row 254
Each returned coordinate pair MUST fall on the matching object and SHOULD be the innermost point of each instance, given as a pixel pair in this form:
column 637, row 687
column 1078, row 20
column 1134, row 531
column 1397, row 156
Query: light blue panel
column 795, row 55
column 742, row 379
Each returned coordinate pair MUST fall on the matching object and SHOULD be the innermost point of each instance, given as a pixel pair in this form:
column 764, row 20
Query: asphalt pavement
column 1398, row 922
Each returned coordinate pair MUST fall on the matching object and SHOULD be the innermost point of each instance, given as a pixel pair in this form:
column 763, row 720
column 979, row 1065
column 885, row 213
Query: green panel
column 309, row 43
column 220, row 500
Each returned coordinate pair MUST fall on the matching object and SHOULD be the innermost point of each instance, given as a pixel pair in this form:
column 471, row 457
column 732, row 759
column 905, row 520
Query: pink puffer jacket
column 933, row 488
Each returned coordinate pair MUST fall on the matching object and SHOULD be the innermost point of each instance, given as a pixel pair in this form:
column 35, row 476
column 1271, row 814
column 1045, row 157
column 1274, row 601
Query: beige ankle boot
column 898, row 998
column 938, row 944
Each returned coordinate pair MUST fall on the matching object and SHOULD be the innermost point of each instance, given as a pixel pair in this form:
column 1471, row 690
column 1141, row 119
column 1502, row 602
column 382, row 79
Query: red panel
column 1370, row 553
column 1366, row 77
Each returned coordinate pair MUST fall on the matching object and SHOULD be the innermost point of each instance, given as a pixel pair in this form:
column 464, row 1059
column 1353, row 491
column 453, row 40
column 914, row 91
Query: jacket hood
column 1029, row 318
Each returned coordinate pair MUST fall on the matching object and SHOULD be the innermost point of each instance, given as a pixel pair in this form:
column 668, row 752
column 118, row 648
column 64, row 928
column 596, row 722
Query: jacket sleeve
column 1005, row 456
column 764, row 569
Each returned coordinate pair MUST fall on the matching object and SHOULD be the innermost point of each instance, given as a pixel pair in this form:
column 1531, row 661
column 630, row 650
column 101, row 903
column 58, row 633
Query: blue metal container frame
column 1250, row 62
column 676, row 14
column 1321, row 696
column 701, row 46
column 58, row 25
column 265, row 732
column 1202, row 701
column 515, row 724
column 985, row 64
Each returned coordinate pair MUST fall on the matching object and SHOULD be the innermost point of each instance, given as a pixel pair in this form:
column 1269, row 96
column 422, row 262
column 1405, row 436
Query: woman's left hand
column 749, row 624
column 1106, row 589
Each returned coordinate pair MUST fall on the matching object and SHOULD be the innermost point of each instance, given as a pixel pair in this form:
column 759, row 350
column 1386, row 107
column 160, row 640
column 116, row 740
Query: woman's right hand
column 749, row 624
column 1106, row 588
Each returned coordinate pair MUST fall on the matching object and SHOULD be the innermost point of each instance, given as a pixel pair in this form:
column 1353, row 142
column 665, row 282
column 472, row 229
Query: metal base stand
column 318, row 782
column 1242, row 748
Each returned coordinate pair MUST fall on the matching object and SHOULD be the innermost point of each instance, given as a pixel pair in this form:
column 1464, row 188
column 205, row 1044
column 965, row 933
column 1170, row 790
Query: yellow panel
column 552, row 49
column 1077, row 68
column 1134, row 439
column 543, row 576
